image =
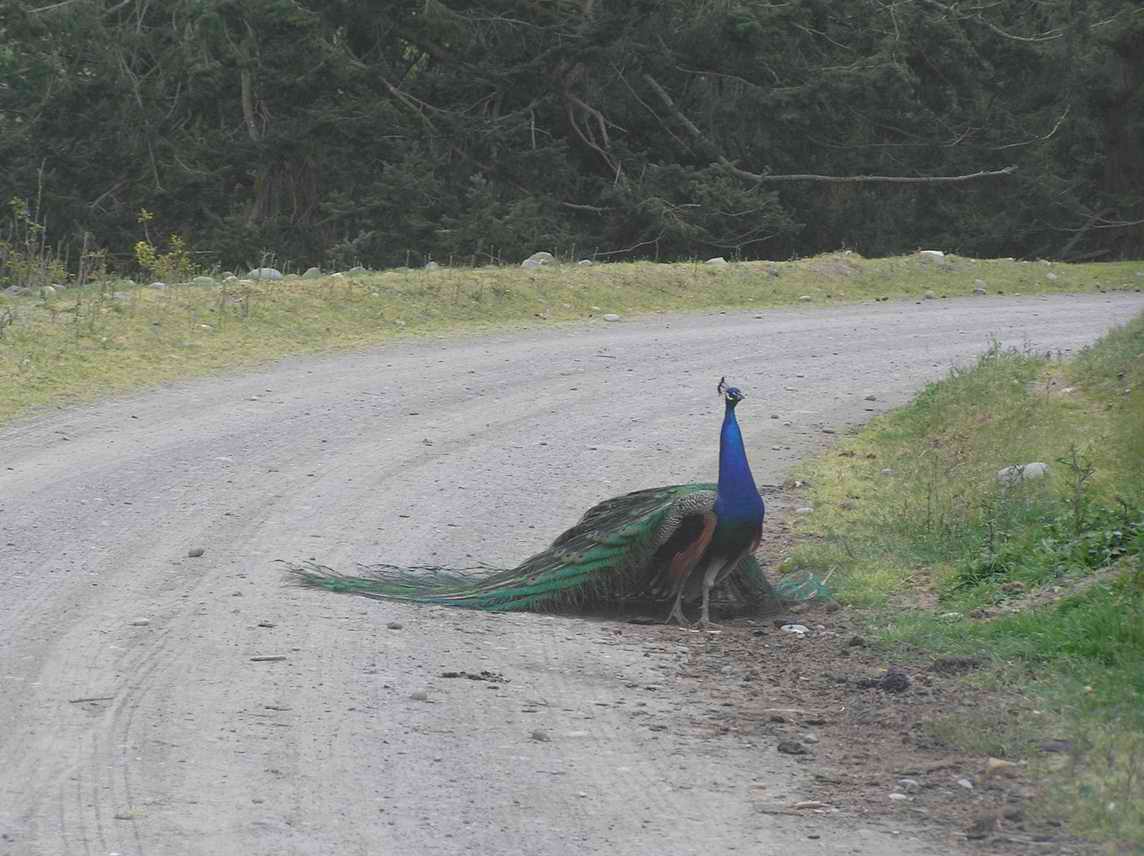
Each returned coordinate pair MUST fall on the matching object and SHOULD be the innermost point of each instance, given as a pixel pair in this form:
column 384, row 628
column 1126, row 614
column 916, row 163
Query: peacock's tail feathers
column 749, row 584
column 605, row 557
column 506, row 590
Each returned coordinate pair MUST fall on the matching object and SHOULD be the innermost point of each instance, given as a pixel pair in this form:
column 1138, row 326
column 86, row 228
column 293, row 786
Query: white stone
column 431, row 266
column 267, row 273
column 933, row 254
column 1022, row 472
column 585, row 262
column 909, row 785
column 312, row 273
column 796, row 629
column 611, row 316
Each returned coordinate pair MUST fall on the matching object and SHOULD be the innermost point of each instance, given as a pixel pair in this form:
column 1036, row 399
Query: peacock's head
column 731, row 394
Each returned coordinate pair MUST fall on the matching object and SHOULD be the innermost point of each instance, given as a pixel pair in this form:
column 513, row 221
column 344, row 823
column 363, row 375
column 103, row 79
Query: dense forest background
column 391, row 133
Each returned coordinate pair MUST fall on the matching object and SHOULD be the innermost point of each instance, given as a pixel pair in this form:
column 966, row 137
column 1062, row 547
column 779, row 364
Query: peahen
column 670, row 543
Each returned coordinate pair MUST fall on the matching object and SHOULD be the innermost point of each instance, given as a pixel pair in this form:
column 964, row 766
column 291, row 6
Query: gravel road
column 153, row 703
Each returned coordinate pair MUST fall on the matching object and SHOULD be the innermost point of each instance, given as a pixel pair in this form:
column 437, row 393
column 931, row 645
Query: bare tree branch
column 980, row 19
column 1066, row 250
column 835, row 179
column 1055, row 128
column 415, row 104
column 670, row 104
column 52, row 6
column 870, row 179
column 578, row 206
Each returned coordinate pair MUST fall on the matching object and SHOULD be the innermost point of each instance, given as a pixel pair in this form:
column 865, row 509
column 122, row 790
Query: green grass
column 1043, row 577
column 82, row 343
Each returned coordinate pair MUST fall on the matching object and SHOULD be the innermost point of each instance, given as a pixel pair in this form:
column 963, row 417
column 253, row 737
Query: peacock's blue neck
column 737, row 497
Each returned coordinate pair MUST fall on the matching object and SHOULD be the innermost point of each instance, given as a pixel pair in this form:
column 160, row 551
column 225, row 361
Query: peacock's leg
column 710, row 577
column 676, row 615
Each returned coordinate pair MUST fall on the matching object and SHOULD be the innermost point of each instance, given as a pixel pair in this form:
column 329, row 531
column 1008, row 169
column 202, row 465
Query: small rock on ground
column 1022, row 472
column 792, row 747
column 538, row 260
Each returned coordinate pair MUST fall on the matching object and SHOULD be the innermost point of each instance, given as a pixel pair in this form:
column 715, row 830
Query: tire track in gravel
column 443, row 451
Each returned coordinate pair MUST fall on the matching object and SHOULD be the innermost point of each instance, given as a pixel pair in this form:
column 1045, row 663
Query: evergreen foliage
column 393, row 132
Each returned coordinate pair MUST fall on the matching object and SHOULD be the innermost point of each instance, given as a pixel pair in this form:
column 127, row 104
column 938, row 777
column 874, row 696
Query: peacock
column 673, row 543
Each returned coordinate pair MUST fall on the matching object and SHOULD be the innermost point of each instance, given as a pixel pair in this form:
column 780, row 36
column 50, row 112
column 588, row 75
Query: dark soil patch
column 866, row 723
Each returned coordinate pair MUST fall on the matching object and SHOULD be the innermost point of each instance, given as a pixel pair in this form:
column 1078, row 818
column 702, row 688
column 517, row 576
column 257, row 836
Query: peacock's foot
column 705, row 616
column 676, row 616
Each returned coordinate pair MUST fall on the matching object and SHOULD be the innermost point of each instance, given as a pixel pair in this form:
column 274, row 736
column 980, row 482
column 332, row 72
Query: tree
column 481, row 129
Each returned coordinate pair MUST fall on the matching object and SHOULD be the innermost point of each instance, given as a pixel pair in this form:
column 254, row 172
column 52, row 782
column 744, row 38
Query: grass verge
column 83, row 342
column 1042, row 577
